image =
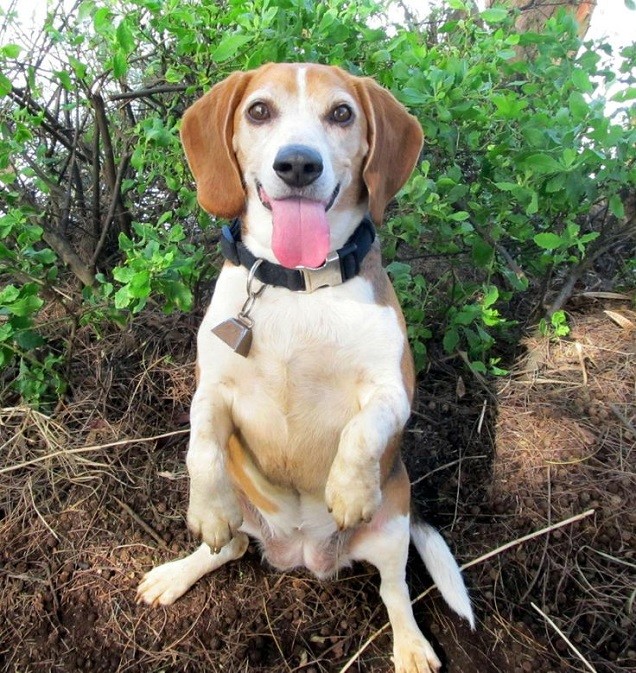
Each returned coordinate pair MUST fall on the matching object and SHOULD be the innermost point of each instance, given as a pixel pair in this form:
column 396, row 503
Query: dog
column 304, row 375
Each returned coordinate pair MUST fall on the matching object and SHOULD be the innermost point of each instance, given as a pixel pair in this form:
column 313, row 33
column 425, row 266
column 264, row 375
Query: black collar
column 339, row 266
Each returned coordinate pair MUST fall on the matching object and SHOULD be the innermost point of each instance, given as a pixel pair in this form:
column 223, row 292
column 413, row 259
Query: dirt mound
column 95, row 494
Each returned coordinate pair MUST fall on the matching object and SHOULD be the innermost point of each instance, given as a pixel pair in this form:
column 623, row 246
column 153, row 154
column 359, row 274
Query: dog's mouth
column 300, row 232
column 267, row 201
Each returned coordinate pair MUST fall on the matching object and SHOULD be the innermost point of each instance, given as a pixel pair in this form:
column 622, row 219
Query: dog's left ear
column 395, row 141
column 206, row 133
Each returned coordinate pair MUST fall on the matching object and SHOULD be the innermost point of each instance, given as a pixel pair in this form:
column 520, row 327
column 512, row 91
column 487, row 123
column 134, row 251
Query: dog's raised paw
column 352, row 497
column 215, row 529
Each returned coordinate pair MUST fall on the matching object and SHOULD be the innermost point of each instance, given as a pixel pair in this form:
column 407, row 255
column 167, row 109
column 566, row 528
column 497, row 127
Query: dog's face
column 301, row 151
column 300, row 139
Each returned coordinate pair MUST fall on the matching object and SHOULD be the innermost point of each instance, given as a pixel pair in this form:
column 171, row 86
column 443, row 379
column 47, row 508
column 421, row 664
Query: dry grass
column 565, row 442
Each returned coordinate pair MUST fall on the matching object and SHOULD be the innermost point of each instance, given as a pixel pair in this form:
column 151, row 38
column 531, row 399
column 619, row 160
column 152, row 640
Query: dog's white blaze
column 301, row 79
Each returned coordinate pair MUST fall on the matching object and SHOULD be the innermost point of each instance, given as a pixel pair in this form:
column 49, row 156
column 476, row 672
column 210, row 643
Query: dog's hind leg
column 387, row 549
column 385, row 544
column 167, row 582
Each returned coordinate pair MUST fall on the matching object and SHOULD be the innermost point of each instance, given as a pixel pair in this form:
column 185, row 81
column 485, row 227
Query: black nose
column 298, row 165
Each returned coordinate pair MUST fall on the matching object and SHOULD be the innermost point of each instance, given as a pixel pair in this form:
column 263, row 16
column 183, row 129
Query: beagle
column 304, row 374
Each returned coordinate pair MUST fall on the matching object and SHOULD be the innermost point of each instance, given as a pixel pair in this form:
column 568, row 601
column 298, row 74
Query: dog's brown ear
column 206, row 133
column 395, row 141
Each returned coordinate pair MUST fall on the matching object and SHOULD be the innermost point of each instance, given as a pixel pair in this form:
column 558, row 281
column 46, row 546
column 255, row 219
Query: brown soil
column 88, row 516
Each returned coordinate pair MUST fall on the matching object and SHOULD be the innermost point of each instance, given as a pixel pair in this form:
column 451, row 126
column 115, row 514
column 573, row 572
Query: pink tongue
column 301, row 232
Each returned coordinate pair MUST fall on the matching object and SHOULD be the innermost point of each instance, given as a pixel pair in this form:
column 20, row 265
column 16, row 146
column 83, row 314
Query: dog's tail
column 443, row 569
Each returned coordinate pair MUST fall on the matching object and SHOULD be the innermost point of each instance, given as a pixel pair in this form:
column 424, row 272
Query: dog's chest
column 325, row 346
column 315, row 360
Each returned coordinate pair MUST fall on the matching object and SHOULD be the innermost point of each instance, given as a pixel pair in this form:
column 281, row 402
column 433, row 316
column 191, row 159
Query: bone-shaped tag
column 236, row 333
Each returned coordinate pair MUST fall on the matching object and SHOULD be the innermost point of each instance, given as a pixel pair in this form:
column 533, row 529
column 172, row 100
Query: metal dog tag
column 236, row 333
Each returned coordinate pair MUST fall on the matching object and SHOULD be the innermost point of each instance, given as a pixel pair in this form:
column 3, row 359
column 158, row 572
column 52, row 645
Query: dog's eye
column 341, row 114
column 259, row 112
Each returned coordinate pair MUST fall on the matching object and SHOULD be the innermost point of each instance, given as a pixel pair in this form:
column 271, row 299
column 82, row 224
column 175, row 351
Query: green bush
column 523, row 180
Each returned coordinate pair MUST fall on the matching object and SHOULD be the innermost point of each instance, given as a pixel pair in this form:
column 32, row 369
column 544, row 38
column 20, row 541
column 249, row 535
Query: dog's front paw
column 213, row 524
column 352, row 494
column 164, row 584
column 415, row 654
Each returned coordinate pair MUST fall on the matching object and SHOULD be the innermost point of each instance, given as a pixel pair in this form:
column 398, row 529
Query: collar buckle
column 327, row 275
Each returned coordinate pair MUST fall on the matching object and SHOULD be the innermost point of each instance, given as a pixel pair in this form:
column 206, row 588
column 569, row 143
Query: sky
column 613, row 20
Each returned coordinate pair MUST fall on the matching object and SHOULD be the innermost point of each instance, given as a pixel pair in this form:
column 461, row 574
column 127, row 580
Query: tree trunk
column 535, row 13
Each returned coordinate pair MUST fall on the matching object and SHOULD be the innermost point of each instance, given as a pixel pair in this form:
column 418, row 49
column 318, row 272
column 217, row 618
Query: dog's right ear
column 206, row 133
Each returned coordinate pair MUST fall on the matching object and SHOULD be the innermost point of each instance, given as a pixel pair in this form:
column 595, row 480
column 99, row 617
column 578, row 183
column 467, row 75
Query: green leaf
column 399, row 270
column 451, row 339
column 630, row 4
column 122, row 297
column 102, row 21
column 556, row 183
column 548, row 240
column 626, row 94
column 506, row 54
column 459, row 216
column 9, row 294
column 43, row 256
column 10, row 50
column 79, row 68
column 467, row 314
column 581, row 81
column 616, row 206
column 542, row 164
column 125, row 244
column 120, row 64
column 85, row 10
column 494, row 14
column 533, row 206
column 173, row 75
column 506, row 186
column 490, row 297
column 125, row 37
column 140, row 284
column 123, row 273
column 5, row 85
column 228, row 46
column 482, row 253
column 5, row 253
column 179, row 294
column 65, row 79
column 478, row 367
column 159, row 134
column 578, row 106
column 569, row 156
column 28, row 339
column 25, row 306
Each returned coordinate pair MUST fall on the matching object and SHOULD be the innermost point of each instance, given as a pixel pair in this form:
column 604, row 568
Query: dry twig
column 568, row 642
column 95, row 447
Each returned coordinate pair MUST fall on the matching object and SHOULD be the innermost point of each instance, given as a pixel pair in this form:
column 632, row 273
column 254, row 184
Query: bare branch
column 123, row 165
column 144, row 93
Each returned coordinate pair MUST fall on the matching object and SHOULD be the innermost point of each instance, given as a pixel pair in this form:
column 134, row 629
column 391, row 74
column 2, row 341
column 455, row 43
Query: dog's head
column 302, row 152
